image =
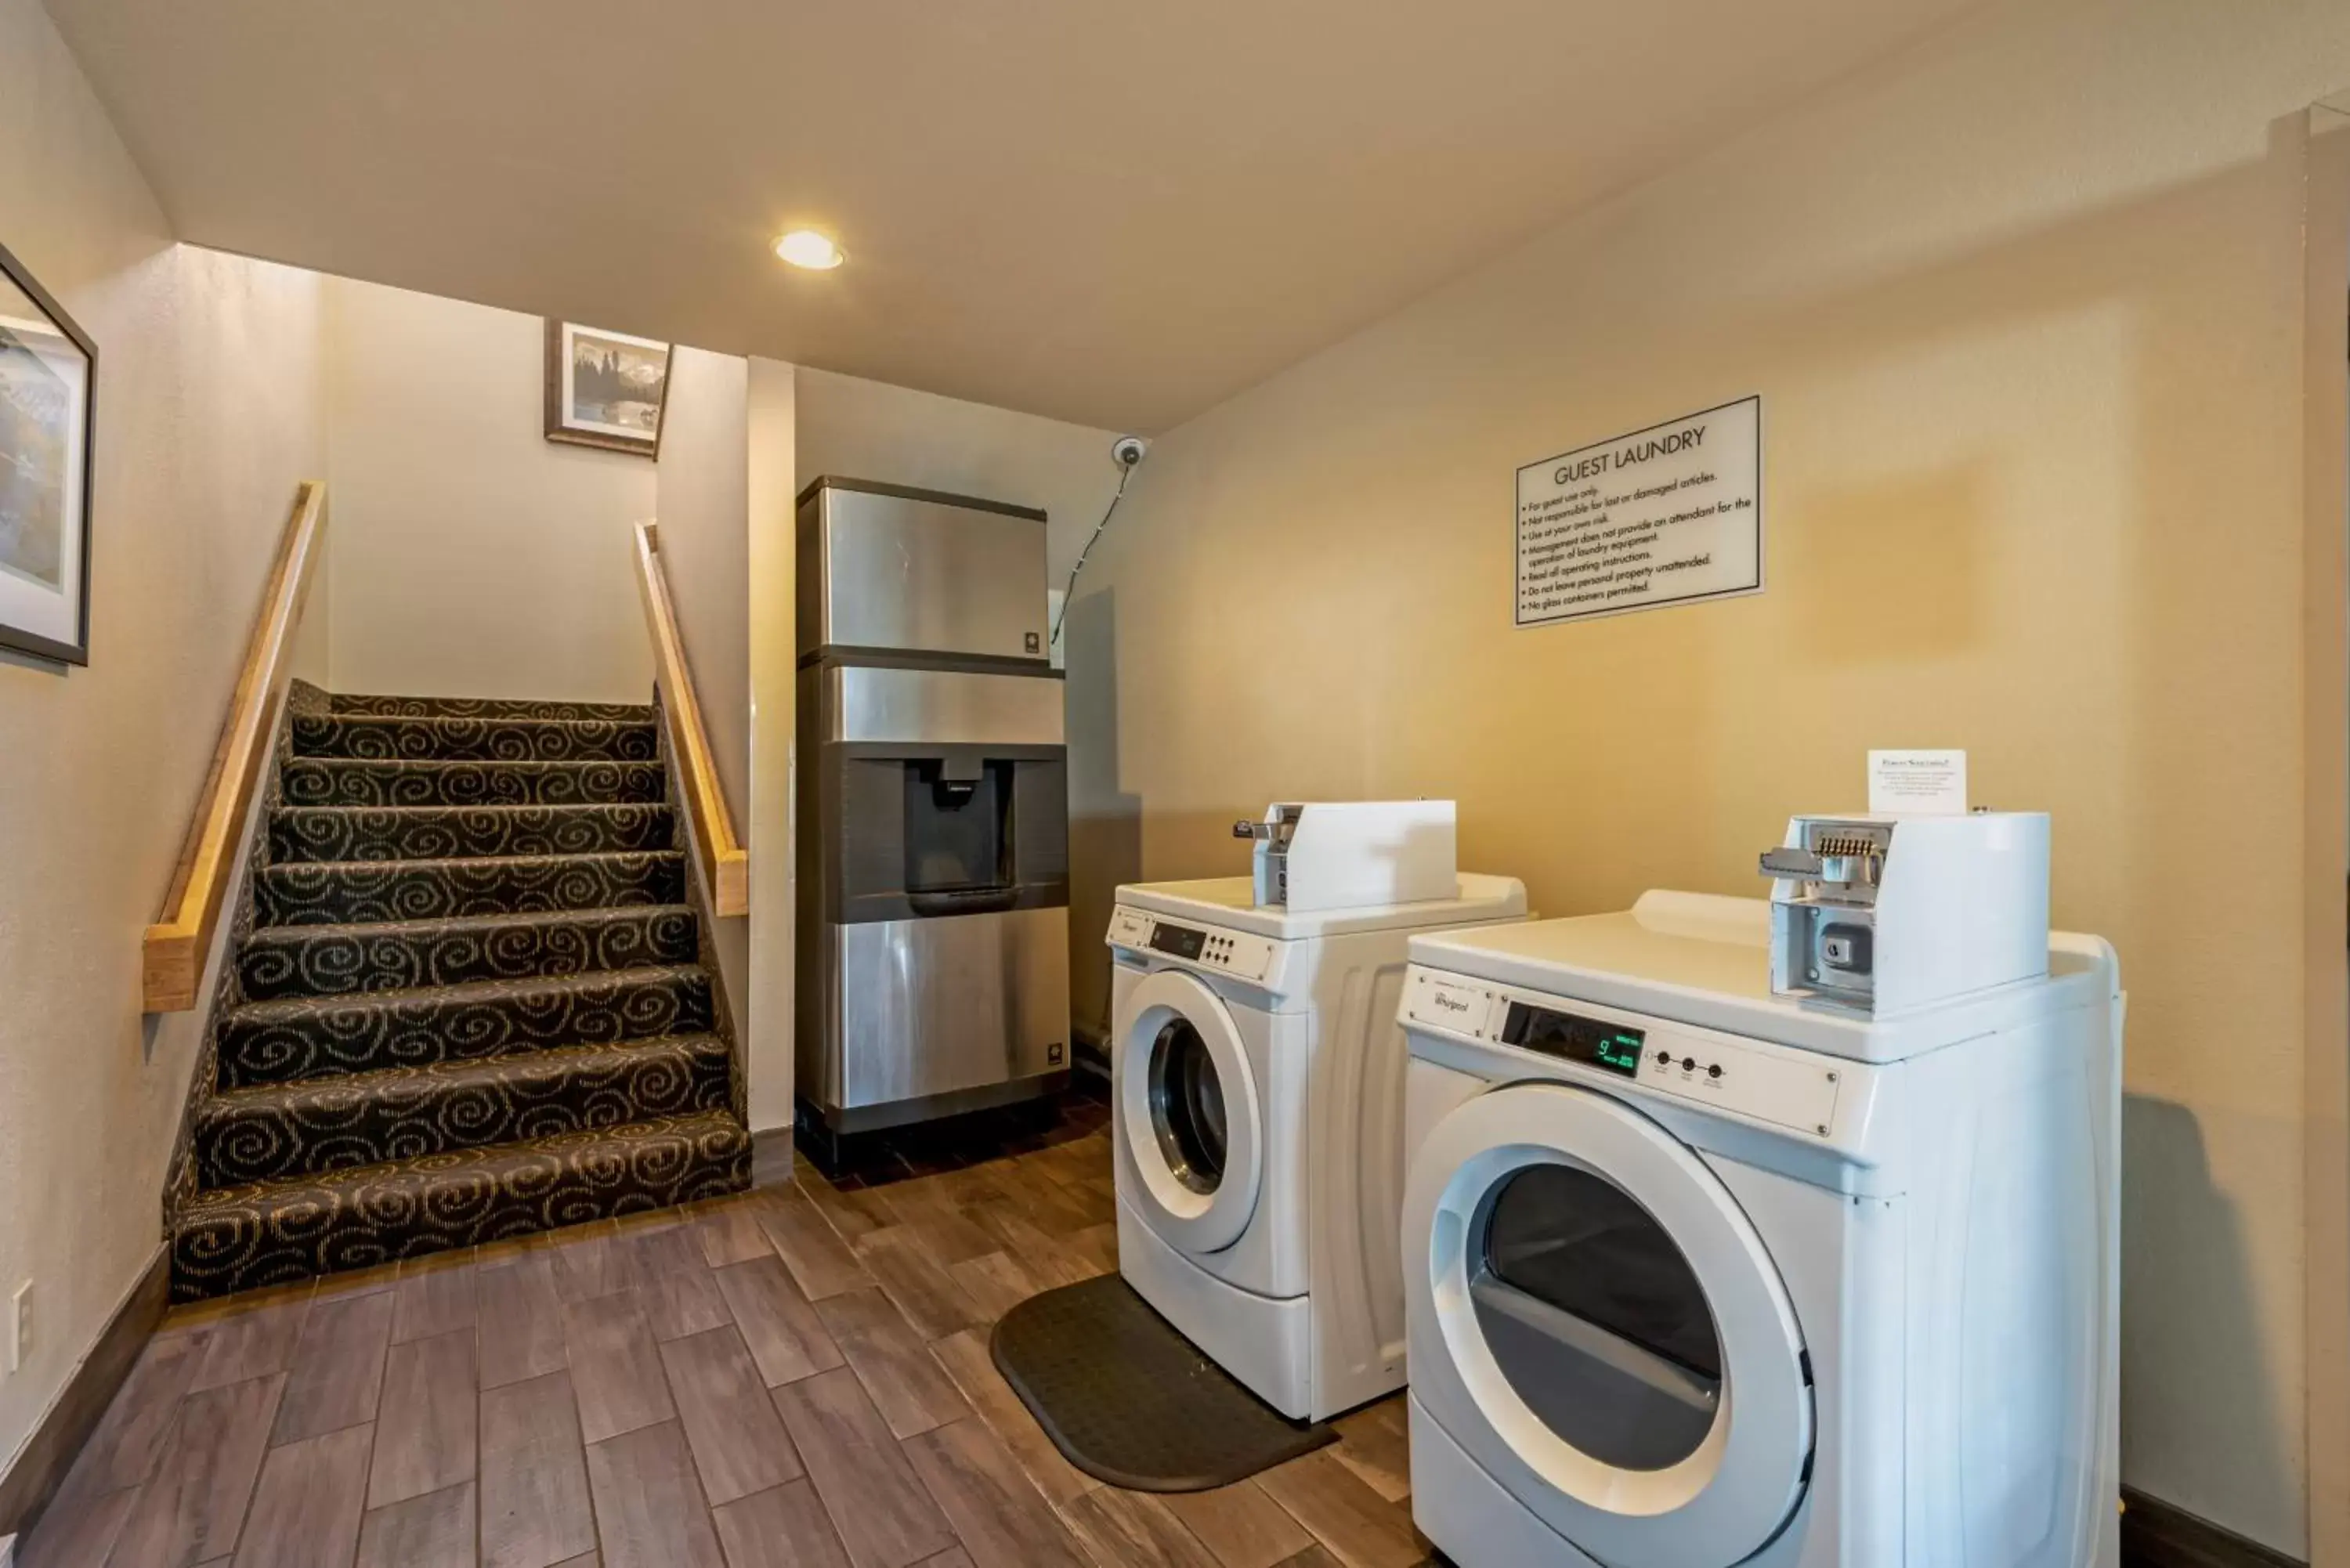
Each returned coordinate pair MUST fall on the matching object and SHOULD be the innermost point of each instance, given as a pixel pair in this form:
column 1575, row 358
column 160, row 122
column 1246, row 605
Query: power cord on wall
column 1129, row 451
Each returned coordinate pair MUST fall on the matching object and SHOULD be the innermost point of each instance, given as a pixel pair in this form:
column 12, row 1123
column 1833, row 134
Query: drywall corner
column 770, row 419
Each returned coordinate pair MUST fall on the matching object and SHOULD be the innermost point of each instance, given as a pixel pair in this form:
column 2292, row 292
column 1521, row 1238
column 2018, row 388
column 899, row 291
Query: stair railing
column 174, row 950
column 725, row 865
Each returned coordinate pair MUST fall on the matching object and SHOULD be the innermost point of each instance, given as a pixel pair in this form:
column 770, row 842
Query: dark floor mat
column 1128, row 1400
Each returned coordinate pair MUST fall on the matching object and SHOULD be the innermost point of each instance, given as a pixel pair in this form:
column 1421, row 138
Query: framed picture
column 48, row 376
column 605, row 388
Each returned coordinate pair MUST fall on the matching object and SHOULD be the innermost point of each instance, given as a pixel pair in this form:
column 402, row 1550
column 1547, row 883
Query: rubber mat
column 1128, row 1400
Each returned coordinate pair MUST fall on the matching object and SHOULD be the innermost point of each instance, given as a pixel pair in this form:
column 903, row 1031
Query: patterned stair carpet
column 469, row 1004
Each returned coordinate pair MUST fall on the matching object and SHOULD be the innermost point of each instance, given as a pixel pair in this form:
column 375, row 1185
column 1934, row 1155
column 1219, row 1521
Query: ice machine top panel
column 1231, row 902
column 1702, row 960
column 888, row 570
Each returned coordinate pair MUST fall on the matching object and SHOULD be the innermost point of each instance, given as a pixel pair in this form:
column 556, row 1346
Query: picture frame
column 606, row 389
column 48, row 400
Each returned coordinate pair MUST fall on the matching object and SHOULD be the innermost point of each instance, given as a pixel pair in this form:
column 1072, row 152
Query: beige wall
column 472, row 557
column 772, row 416
column 209, row 393
column 703, row 504
column 2025, row 313
column 870, row 429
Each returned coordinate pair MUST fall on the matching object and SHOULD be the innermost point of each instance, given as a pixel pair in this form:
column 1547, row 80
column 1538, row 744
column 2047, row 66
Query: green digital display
column 1621, row 1051
column 1572, row 1039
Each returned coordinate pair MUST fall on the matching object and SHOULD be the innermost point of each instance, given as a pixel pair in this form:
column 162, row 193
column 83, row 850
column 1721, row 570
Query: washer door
column 1188, row 1109
column 1596, row 1321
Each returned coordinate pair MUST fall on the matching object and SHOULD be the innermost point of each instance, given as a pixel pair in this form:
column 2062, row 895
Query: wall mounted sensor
column 1126, row 451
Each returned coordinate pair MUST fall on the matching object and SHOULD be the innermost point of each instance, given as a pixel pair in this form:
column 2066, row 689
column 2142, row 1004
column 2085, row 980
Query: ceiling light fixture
column 807, row 248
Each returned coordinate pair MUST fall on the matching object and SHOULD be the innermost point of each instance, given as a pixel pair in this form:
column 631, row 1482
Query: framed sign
column 48, row 380
column 1671, row 515
column 605, row 388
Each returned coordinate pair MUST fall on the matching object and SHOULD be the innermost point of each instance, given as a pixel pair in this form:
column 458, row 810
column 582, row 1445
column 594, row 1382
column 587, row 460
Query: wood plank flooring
column 799, row 1375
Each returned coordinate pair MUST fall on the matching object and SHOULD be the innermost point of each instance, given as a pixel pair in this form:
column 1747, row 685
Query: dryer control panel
column 1221, row 951
column 1793, row 1089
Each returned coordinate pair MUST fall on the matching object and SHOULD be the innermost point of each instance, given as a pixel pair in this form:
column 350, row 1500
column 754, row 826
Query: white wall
column 2026, row 312
column 472, row 557
column 209, row 411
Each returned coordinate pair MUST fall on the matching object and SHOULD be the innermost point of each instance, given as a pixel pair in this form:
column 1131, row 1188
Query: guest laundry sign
column 1668, row 515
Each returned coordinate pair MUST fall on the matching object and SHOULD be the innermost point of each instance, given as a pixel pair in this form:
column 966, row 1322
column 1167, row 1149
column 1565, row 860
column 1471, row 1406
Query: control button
column 1688, row 1063
column 1714, row 1070
column 1664, row 1058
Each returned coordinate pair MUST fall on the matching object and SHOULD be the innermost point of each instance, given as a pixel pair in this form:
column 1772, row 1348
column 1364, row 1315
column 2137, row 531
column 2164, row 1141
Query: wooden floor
column 799, row 1375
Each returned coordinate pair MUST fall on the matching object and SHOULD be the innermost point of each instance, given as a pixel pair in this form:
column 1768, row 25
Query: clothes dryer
column 1702, row 1275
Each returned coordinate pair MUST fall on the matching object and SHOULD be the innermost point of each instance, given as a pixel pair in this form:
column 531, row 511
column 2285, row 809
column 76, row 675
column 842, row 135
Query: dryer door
column 1189, row 1112
column 1595, row 1320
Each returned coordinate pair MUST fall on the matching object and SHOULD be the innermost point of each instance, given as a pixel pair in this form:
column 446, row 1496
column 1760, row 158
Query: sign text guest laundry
column 1670, row 515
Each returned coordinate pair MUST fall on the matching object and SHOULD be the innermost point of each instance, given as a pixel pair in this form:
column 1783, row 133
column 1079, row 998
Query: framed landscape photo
column 49, row 378
column 605, row 388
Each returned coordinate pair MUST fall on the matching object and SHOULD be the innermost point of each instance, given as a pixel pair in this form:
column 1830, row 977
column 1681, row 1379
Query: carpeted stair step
column 486, row 708
column 292, row 1039
column 321, row 833
column 284, row 1131
column 333, row 893
column 361, row 780
column 237, row 1238
column 471, row 739
column 400, row 955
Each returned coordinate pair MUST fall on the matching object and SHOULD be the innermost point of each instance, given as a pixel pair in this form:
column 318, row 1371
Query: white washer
column 1257, row 1069
column 1699, row 1276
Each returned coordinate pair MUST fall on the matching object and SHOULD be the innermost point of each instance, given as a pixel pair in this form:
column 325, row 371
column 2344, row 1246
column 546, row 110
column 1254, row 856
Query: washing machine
column 1257, row 1069
column 1700, row 1272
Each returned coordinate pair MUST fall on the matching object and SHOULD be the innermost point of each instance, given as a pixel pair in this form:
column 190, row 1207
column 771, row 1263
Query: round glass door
column 1186, row 1105
column 1595, row 1319
column 1190, row 1136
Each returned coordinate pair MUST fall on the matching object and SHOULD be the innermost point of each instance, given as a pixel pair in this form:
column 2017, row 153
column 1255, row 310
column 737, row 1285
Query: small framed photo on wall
column 49, row 378
column 605, row 388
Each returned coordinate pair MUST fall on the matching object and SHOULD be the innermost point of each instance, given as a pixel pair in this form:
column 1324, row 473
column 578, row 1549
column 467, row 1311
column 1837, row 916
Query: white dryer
column 1700, row 1275
column 1257, row 1067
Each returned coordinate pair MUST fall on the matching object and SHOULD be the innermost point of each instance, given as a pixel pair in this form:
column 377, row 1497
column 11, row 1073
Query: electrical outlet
column 20, row 1325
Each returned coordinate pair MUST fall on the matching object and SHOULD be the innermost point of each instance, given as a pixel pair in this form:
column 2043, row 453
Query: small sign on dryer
column 1128, row 929
column 1449, row 1005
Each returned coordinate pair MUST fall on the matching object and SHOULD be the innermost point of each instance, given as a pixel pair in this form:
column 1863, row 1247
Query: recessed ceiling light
column 815, row 252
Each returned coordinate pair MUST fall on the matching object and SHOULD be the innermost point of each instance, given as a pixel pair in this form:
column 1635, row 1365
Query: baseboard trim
column 771, row 1161
column 2156, row 1534
column 40, row 1467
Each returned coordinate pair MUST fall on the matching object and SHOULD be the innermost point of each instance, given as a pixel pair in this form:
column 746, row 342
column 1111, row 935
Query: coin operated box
column 1886, row 915
column 1355, row 854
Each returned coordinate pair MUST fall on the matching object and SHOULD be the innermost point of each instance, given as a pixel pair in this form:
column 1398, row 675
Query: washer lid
column 1231, row 902
column 1697, row 958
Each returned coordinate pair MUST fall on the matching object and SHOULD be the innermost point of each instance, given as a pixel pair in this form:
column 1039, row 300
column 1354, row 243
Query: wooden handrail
column 173, row 956
column 725, row 865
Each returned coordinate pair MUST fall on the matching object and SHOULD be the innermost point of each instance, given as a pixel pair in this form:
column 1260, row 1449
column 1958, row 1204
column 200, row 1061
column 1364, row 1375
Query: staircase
column 468, row 1002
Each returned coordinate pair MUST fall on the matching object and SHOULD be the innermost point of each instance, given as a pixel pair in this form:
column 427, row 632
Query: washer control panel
column 1788, row 1088
column 1210, row 948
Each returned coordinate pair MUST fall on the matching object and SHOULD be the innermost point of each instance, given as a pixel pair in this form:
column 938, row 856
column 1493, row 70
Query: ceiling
column 1113, row 213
